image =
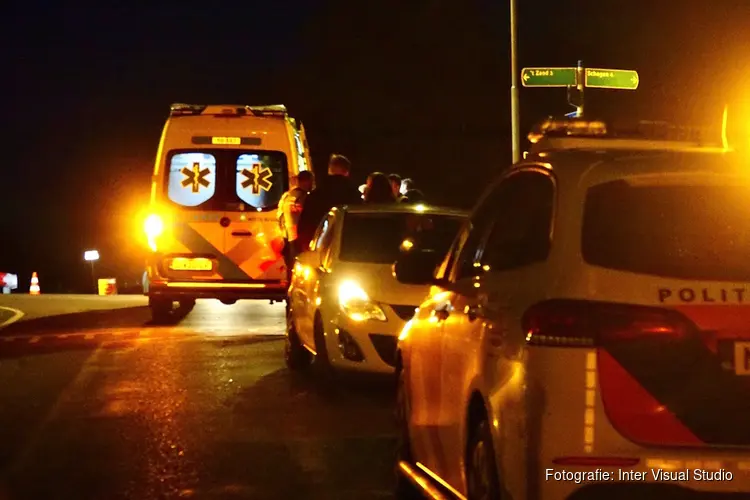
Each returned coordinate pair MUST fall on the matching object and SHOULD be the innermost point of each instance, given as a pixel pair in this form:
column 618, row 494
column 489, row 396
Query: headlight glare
column 356, row 304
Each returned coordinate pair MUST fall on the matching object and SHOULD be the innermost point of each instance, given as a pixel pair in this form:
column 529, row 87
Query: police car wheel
column 481, row 474
column 295, row 355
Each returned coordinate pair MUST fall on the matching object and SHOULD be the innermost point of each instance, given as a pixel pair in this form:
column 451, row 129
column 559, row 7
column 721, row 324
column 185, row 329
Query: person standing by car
column 395, row 181
column 288, row 214
column 407, row 184
column 335, row 190
column 380, row 189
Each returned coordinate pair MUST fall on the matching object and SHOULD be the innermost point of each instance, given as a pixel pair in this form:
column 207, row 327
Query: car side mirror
column 416, row 268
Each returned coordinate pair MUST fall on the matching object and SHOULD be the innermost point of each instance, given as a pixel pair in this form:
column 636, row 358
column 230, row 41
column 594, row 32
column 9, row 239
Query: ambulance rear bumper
column 158, row 286
column 181, row 289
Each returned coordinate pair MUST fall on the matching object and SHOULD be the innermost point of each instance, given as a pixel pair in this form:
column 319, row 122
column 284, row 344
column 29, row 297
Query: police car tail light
column 578, row 323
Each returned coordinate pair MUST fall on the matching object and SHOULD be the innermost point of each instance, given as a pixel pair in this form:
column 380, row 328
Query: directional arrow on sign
column 548, row 77
column 259, row 178
column 620, row 79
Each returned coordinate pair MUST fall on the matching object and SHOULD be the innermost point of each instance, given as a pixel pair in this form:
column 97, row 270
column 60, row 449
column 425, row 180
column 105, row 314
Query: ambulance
column 212, row 230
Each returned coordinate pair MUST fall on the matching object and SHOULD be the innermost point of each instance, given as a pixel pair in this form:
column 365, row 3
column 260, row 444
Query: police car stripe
column 688, row 379
column 188, row 236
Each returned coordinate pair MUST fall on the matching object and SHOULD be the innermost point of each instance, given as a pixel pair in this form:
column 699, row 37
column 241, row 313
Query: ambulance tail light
column 154, row 228
column 578, row 323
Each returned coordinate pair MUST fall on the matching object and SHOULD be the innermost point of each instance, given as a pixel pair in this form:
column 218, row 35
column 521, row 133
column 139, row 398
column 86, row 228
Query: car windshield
column 698, row 232
column 226, row 179
column 378, row 238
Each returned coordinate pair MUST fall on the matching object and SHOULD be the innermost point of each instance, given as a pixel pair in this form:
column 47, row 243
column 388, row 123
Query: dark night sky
column 421, row 90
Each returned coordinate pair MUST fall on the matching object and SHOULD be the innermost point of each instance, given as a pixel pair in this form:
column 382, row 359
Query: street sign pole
column 579, row 86
column 514, row 111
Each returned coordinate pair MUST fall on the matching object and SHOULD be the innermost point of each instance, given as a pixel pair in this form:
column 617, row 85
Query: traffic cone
column 34, row 288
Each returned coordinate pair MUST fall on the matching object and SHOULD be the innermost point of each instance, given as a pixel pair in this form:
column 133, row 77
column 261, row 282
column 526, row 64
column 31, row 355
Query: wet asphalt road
column 103, row 405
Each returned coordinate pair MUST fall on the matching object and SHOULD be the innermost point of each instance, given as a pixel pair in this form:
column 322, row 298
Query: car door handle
column 242, row 233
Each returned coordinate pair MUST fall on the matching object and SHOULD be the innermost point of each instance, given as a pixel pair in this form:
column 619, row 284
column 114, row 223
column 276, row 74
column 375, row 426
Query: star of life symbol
column 259, row 178
column 195, row 177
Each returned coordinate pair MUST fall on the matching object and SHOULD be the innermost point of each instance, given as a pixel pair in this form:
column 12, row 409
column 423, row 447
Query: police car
column 588, row 333
column 220, row 172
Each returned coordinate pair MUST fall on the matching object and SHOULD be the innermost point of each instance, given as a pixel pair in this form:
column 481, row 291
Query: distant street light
column 92, row 256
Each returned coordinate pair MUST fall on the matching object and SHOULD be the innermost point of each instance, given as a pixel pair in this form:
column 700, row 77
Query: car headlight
column 154, row 227
column 356, row 304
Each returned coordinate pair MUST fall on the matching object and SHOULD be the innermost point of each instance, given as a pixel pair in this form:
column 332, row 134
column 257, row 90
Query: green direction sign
column 623, row 79
column 548, row 77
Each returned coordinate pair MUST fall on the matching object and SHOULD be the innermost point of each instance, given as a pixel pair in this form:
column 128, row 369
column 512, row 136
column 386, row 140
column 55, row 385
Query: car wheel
column 160, row 309
column 481, row 473
column 321, row 362
column 295, row 355
column 405, row 490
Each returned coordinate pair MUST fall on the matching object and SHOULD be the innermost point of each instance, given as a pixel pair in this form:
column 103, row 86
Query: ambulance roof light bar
column 275, row 110
column 179, row 109
column 278, row 110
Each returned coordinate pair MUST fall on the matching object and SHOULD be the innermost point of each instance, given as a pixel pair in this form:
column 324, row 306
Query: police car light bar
column 576, row 133
column 561, row 127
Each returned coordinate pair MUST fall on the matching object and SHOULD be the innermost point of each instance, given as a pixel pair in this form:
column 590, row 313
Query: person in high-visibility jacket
column 288, row 213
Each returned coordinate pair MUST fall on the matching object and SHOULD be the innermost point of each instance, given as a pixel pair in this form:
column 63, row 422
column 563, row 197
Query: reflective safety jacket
column 289, row 211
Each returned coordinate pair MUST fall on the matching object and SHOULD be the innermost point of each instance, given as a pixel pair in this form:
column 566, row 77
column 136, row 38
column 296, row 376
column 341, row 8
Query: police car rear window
column 679, row 231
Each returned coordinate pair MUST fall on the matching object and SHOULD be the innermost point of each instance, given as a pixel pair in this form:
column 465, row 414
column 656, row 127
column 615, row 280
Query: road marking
column 17, row 314
column 185, row 336
column 41, row 430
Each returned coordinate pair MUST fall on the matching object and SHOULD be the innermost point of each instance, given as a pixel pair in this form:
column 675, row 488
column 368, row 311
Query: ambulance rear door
column 253, row 239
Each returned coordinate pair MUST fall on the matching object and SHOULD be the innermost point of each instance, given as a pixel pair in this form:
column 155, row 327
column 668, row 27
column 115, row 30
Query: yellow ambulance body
column 219, row 175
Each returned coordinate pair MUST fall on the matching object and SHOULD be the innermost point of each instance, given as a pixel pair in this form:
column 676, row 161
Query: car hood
column 378, row 282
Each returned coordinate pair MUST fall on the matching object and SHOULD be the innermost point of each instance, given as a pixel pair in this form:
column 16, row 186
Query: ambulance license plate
column 191, row 264
column 742, row 358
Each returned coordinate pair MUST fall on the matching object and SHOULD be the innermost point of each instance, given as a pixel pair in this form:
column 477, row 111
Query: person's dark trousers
column 294, row 249
column 287, row 253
